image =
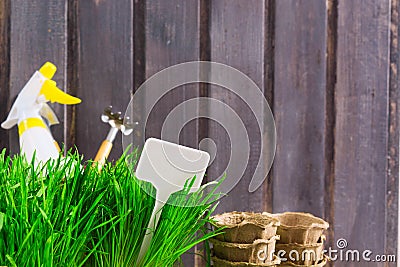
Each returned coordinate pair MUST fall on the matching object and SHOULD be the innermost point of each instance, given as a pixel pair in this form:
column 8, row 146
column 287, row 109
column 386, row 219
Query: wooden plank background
column 104, row 63
column 361, row 141
column 299, row 105
column 327, row 68
column 4, row 67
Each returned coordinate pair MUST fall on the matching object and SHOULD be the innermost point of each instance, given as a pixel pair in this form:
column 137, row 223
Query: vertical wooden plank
column 203, row 124
column 300, row 106
column 392, row 197
column 204, row 56
column 237, row 39
column 361, row 133
column 329, row 197
column 4, row 68
column 392, row 191
column 38, row 34
column 269, row 59
column 72, row 71
column 104, row 69
column 172, row 37
column 139, row 40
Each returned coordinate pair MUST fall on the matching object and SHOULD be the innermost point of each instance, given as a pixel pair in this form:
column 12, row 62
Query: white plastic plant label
column 168, row 166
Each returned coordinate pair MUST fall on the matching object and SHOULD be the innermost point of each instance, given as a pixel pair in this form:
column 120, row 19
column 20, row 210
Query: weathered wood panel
column 4, row 68
column 329, row 196
column 38, row 34
column 300, row 106
column 361, row 133
column 392, row 190
column 237, row 39
column 72, row 71
column 139, row 40
column 104, row 69
column 199, row 260
column 269, row 59
column 172, row 38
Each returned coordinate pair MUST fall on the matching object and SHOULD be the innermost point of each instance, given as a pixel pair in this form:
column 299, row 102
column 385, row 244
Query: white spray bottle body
column 28, row 109
column 34, row 135
column 36, row 140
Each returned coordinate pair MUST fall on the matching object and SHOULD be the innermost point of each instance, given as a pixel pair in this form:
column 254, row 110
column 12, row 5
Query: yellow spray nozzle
column 53, row 94
column 48, row 70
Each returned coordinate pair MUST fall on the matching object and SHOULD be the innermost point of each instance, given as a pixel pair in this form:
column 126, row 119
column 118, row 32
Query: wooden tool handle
column 57, row 146
column 103, row 153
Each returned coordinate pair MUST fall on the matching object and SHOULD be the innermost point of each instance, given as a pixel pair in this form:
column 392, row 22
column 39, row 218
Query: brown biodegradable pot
column 245, row 227
column 260, row 251
column 301, row 254
column 300, row 228
column 224, row 263
column 321, row 263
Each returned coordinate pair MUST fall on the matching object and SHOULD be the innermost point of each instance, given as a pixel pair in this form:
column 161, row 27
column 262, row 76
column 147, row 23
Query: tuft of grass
column 183, row 224
column 126, row 201
column 48, row 212
column 64, row 214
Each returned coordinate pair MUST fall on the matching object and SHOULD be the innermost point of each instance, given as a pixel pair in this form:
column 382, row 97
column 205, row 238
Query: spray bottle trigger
column 53, row 94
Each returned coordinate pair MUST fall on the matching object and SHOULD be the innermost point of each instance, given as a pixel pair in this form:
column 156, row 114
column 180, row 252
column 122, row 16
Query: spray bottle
column 29, row 108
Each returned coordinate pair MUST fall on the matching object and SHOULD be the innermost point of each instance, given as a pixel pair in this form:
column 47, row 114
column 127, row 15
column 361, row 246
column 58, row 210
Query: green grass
column 64, row 214
column 182, row 225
